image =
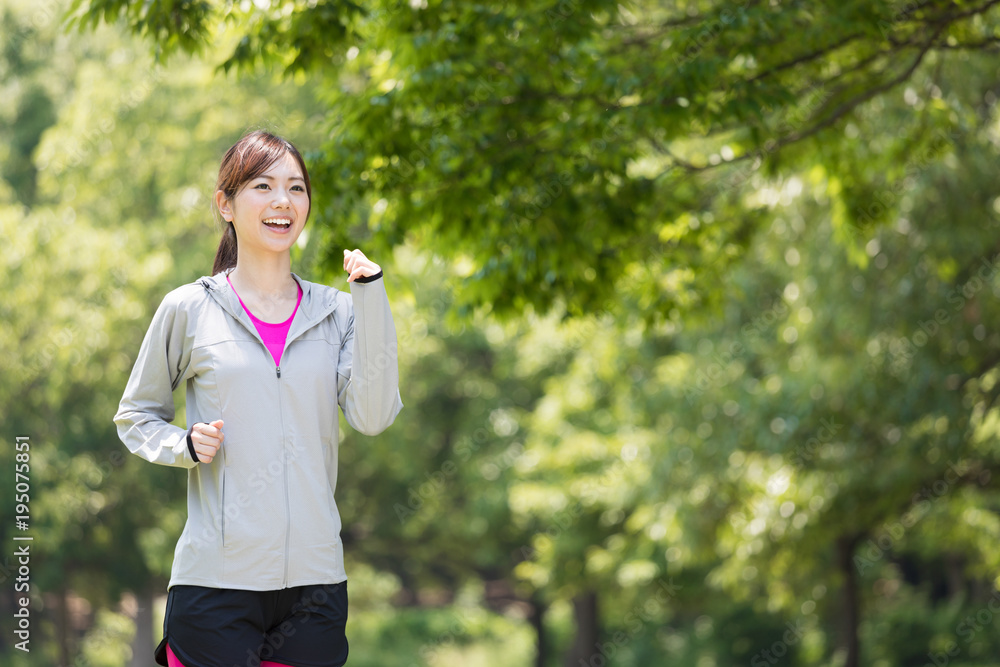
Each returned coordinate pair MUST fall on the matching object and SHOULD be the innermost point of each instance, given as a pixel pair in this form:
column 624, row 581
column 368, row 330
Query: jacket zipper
column 284, row 470
column 284, row 464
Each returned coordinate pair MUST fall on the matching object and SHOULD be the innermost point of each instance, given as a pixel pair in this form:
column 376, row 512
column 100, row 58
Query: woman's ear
column 223, row 203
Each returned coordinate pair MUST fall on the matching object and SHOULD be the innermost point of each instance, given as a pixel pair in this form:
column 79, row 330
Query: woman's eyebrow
column 291, row 178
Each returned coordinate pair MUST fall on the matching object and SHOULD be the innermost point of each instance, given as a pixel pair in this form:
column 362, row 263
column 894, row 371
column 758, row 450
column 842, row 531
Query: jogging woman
column 258, row 572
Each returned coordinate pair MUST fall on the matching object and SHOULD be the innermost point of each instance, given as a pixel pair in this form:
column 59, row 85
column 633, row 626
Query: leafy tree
column 569, row 150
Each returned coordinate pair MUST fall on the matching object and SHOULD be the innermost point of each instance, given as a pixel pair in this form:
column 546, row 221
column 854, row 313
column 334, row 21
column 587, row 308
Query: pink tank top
column 274, row 335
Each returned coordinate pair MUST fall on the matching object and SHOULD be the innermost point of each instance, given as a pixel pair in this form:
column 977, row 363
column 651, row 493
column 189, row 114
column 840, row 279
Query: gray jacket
column 262, row 514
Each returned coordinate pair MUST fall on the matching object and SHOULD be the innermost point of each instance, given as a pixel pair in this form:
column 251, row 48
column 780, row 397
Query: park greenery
column 695, row 301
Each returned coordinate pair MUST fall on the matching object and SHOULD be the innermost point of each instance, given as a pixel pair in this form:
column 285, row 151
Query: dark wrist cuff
column 191, row 444
column 368, row 279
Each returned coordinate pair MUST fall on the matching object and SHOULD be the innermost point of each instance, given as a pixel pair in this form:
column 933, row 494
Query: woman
column 258, row 574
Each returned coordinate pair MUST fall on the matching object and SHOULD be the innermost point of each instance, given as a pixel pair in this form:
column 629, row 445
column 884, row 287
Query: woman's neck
column 268, row 277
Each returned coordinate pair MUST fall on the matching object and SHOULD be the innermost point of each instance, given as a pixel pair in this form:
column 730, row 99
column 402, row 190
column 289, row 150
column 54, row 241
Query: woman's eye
column 299, row 188
column 259, row 185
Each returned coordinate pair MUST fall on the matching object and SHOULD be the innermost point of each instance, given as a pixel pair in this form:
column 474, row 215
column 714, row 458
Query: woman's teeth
column 277, row 222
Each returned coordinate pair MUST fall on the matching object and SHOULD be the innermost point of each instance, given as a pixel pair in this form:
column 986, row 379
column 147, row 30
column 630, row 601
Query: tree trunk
column 537, row 620
column 845, row 560
column 62, row 626
column 586, row 644
column 955, row 573
column 142, row 644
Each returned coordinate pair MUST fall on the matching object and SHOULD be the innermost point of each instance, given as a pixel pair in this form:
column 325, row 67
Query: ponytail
column 225, row 256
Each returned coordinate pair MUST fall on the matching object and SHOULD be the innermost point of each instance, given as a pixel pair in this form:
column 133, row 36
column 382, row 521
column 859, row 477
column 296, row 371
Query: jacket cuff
column 368, row 279
column 191, row 444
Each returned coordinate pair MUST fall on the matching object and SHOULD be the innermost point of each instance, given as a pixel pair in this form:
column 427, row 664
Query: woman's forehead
column 286, row 166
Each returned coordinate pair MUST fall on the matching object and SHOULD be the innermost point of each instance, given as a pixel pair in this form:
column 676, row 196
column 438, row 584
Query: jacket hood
column 318, row 301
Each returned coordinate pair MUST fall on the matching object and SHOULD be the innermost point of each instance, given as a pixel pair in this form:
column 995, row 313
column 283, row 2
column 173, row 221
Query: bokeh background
column 696, row 306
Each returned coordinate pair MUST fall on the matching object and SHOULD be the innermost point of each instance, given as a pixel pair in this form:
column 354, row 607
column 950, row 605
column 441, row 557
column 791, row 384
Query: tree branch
column 864, row 97
column 806, row 57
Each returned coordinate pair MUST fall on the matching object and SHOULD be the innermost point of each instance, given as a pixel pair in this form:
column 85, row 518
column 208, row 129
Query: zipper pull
column 278, row 369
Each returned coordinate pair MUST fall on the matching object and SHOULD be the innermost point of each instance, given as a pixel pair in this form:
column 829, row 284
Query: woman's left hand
column 359, row 266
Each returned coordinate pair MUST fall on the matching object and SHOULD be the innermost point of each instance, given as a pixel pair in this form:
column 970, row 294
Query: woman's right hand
column 207, row 438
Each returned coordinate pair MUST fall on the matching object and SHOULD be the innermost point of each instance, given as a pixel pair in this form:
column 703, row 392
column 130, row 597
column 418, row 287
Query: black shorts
column 302, row 626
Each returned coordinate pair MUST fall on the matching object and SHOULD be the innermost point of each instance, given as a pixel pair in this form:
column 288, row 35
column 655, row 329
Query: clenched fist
column 359, row 266
column 207, row 438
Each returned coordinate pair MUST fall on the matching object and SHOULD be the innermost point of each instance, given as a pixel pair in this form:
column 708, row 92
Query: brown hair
column 248, row 158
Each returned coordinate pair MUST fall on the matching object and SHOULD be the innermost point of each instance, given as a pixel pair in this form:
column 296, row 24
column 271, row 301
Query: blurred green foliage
column 696, row 305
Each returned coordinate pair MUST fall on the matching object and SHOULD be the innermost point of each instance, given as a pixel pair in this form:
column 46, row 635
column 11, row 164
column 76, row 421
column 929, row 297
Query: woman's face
column 270, row 210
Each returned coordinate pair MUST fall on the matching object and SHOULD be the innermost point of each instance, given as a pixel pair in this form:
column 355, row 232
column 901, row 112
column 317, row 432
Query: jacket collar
column 315, row 306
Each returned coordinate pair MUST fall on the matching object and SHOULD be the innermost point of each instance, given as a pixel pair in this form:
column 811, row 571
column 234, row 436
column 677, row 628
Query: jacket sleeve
column 147, row 405
column 368, row 372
